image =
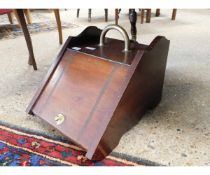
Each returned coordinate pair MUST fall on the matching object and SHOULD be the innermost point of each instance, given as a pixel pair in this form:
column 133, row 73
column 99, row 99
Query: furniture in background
column 9, row 13
column 148, row 14
column 116, row 16
column 132, row 18
column 21, row 20
column 116, row 97
column 27, row 15
column 19, row 13
column 90, row 12
column 117, row 12
column 173, row 16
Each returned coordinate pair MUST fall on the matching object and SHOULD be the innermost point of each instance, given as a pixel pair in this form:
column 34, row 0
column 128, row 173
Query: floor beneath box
column 177, row 132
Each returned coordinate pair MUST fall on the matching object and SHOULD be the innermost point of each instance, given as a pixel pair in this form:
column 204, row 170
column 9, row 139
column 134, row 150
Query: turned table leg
column 89, row 15
column 20, row 15
column 133, row 18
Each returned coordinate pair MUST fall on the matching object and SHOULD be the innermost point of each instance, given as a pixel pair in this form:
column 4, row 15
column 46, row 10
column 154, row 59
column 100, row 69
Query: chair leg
column 148, row 16
column 10, row 18
column 116, row 16
column 28, row 16
column 58, row 21
column 89, row 15
column 157, row 12
column 17, row 17
column 142, row 16
column 78, row 13
column 21, row 19
column 106, row 15
column 173, row 17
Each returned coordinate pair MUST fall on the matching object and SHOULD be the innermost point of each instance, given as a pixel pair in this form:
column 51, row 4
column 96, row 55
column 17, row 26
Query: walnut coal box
column 98, row 88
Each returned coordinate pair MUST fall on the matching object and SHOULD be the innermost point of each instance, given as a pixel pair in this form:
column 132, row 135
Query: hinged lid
column 88, row 83
column 78, row 99
column 84, row 86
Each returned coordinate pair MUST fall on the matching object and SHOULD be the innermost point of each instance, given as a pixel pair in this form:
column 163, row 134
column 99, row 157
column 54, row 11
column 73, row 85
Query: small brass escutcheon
column 59, row 119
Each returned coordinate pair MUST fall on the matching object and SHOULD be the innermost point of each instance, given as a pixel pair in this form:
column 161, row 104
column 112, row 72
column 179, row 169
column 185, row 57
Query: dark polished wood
column 20, row 17
column 101, row 91
column 133, row 19
column 19, row 13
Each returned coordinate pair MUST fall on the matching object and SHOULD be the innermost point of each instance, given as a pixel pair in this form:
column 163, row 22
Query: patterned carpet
column 23, row 148
column 8, row 31
column 40, row 23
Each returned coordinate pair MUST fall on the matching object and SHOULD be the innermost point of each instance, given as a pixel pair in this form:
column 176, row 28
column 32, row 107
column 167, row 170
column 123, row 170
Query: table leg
column 89, row 15
column 148, row 16
column 116, row 16
column 174, row 14
column 20, row 15
column 142, row 16
column 133, row 19
column 78, row 13
column 157, row 12
column 106, row 15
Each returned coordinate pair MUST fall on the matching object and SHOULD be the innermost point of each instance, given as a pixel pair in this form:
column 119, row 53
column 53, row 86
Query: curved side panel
column 143, row 92
column 91, row 35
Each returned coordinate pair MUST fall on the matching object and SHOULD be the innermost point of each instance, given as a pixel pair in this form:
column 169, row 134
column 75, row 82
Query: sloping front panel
column 82, row 89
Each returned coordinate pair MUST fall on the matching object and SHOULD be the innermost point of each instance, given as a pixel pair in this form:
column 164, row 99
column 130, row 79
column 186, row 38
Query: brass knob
column 59, row 119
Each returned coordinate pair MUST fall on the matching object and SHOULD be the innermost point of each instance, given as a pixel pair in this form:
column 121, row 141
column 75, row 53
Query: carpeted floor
column 176, row 132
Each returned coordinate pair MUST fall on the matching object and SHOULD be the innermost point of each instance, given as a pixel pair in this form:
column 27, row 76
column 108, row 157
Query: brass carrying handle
column 118, row 28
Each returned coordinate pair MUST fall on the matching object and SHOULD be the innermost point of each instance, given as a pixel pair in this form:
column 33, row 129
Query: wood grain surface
column 102, row 92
